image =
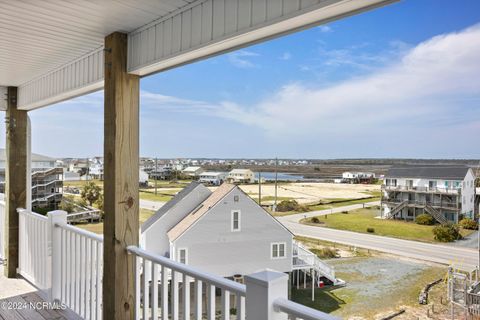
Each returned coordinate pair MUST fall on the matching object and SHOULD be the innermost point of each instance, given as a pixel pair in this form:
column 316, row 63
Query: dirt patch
column 314, row 192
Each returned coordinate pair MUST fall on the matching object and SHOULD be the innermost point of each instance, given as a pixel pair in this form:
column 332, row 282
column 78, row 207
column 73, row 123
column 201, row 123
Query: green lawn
column 162, row 195
column 98, row 227
column 361, row 219
column 80, row 184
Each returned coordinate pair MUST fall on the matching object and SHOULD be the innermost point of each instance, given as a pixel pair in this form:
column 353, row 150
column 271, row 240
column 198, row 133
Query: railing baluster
column 99, row 278
column 82, row 299
column 211, row 302
column 138, row 286
column 164, row 294
column 240, row 307
column 154, row 291
column 145, row 267
column 186, row 297
column 91, row 282
column 72, row 270
column 62, row 265
column 175, row 297
column 225, row 305
column 198, row 299
column 77, row 274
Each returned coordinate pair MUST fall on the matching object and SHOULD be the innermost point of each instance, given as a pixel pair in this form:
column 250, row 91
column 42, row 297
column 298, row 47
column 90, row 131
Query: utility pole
column 259, row 188
column 276, row 184
column 156, row 174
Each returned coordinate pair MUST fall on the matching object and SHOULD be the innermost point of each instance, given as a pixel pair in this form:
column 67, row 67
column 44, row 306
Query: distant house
column 163, row 173
column 47, row 180
column 358, row 177
column 212, row 178
column 227, row 233
column 192, row 171
column 241, row 176
column 143, row 178
column 445, row 192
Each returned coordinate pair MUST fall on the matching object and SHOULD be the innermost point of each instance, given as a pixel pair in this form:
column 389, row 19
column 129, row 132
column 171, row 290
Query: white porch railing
column 159, row 280
column 66, row 263
column 304, row 258
column 34, row 260
column 77, row 269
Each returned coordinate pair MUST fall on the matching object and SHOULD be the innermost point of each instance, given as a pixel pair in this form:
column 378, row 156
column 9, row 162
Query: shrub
column 290, row 205
column 425, row 219
column 314, row 220
column 345, row 212
column 325, row 253
column 370, row 230
column 469, row 224
column 446, row 233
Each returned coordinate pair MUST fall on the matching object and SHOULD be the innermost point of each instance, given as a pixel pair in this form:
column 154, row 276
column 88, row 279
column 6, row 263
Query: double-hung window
column 278, row 250
column 182, row 256
column 236, row 220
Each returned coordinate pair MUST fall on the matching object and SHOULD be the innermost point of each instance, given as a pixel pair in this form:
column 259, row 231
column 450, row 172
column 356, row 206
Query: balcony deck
column 18, row 292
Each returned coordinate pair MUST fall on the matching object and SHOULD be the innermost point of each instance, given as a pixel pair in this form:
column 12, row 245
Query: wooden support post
column 15, row 177
column 121, row 156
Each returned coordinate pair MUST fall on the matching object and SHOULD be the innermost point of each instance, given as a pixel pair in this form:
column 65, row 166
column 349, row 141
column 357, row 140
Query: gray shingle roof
column 447, row 172
column 170, row 204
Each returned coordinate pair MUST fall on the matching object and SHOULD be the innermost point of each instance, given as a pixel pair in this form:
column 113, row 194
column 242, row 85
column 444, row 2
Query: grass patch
column 98, row 227
column 361, row 219
column 162, row 196
column 335, row 203
column 81, row 183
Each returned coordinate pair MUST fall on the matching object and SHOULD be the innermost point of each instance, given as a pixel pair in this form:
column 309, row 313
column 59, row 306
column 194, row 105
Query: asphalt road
column 464, row 258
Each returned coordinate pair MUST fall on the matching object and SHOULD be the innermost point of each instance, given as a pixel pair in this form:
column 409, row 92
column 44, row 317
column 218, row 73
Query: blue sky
column 399, row 81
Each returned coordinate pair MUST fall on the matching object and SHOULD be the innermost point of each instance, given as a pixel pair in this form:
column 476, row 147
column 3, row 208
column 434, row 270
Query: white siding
column 213, row 247
column 468, row 193
column 206, row 28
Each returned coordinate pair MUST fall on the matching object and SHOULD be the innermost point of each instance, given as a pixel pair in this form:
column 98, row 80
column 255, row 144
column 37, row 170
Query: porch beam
column 121, row 156
column 15, row 177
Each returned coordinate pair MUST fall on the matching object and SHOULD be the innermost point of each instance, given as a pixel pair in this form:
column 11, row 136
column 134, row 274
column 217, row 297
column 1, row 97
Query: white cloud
column 325, row 29
column 241, row 59
column 286, row 56
column 426, row 86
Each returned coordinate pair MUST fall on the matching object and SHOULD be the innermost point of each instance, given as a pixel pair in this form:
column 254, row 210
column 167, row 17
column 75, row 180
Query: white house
column 227, row 233
column 212, row 178
column 192, row 171
column 445, row 192
column 241, row 176
column 357, row 177
column 142, row 177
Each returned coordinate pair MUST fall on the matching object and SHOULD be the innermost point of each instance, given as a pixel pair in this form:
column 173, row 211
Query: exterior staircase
column 435, row 214
column 307, row 260
column 397, row 209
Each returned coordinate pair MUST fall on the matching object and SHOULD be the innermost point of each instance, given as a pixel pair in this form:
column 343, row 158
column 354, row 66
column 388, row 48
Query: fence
column 263, row 297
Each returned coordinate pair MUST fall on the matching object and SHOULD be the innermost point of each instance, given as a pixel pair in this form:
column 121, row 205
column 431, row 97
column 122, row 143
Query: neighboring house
column 192, row 171
column 143, row 178
column 358, row 177
column 95, row 171
column 445, row 192
column 163, row 173
column 47, row 180
column 227, row 233
column 241, row 176
column 212, row 178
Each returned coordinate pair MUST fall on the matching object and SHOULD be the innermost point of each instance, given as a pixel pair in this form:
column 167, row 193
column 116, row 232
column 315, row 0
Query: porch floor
column 19, row 300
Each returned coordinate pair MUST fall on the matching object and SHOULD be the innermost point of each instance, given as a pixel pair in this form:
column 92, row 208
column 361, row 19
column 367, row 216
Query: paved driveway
column 466, row 258
column 151, row 205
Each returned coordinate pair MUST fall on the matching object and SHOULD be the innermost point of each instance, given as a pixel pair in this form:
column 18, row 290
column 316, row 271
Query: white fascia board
column 3, row 98
column 147, row 45
column 79, row 77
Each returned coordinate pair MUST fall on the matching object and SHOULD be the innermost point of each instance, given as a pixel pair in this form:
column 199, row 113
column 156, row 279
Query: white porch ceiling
column 53, row 49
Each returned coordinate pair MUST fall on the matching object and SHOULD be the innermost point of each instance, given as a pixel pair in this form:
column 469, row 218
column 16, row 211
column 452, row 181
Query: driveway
column 465, row 258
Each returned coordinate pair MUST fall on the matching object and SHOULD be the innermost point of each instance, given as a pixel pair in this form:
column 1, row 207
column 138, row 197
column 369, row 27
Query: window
column 182, row 256
column 278, row 250
column 236, row 220
column 432, row 184
column 235, row 198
